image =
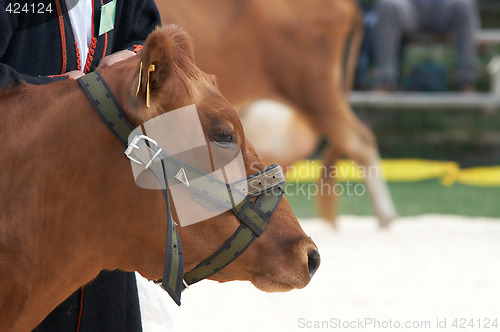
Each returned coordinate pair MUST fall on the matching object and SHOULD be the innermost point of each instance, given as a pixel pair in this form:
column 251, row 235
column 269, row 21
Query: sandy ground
column 430, row 272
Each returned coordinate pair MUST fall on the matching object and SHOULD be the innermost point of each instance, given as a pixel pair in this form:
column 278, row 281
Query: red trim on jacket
column 105, row 45
column 137, row 48
column 92, row 46
column 63, row 37
column 78, row 57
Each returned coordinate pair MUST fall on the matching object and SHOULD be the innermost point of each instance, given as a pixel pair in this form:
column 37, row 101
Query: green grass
column 410, row 198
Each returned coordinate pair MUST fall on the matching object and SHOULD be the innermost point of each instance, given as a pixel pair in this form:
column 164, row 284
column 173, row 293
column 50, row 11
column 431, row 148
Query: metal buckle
column 133, row 145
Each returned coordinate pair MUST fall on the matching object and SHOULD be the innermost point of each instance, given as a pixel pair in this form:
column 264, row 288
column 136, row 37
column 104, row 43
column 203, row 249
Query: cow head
column 280, row 259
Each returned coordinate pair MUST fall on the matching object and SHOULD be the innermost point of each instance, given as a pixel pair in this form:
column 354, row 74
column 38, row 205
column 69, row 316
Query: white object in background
column 494, row 70
column 154, row 314
column 278, row 132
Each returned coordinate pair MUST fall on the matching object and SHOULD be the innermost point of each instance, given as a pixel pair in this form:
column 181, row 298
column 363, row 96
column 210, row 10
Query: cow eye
column 223, row 138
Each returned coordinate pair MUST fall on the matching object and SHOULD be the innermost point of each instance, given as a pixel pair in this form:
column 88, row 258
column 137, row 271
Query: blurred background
column 437, row 267
column 435, row 125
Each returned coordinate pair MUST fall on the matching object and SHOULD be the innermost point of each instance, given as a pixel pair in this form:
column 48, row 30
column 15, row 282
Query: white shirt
column 80, row 14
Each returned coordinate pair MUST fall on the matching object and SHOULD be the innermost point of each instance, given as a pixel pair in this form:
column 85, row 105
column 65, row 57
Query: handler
column 46, row 40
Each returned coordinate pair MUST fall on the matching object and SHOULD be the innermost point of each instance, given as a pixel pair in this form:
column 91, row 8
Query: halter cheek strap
column 111, row 113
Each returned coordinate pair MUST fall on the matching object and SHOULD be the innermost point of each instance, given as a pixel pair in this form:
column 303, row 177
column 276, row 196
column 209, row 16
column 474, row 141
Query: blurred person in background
column 401, row 18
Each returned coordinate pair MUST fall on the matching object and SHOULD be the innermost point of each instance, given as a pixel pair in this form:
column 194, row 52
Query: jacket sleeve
column 8, row 75
column 137, row 20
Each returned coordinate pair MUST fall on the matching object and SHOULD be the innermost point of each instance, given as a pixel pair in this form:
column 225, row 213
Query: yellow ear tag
column 139, row 84
column 151, row 68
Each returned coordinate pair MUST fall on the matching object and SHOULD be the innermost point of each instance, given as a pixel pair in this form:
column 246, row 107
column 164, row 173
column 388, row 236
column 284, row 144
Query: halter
column 254, row 216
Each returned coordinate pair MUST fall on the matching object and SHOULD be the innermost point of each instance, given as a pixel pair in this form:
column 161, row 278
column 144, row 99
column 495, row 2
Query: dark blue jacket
column 34, row 46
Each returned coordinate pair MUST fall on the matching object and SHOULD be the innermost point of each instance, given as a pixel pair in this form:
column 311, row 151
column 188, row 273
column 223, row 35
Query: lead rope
column 173, row 270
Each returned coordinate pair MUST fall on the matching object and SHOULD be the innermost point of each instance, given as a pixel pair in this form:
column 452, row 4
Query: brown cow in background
column 290, row 52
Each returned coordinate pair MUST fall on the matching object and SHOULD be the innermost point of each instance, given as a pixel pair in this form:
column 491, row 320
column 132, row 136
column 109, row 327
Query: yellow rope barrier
column 398, row 170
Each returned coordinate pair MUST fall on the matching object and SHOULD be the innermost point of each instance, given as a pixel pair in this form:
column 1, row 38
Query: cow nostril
column 313, row 261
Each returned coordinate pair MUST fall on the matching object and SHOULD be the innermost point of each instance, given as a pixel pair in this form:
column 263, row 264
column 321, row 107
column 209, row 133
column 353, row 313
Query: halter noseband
column 254, row 216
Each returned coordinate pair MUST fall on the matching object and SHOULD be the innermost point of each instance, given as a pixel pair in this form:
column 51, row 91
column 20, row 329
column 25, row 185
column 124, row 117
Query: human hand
column 74, row 74
column 115, row 57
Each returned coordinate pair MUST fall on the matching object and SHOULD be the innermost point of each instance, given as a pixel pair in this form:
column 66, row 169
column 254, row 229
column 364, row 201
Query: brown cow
column 290, row 52
column 69, row 204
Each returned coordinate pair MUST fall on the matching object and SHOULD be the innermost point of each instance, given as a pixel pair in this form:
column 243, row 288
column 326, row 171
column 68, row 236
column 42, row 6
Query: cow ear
column 156, row 63
column 167, row 52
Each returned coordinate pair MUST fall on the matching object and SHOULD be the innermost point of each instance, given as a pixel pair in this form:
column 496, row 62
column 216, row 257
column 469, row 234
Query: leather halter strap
column 109, row 110
column 254, row 216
